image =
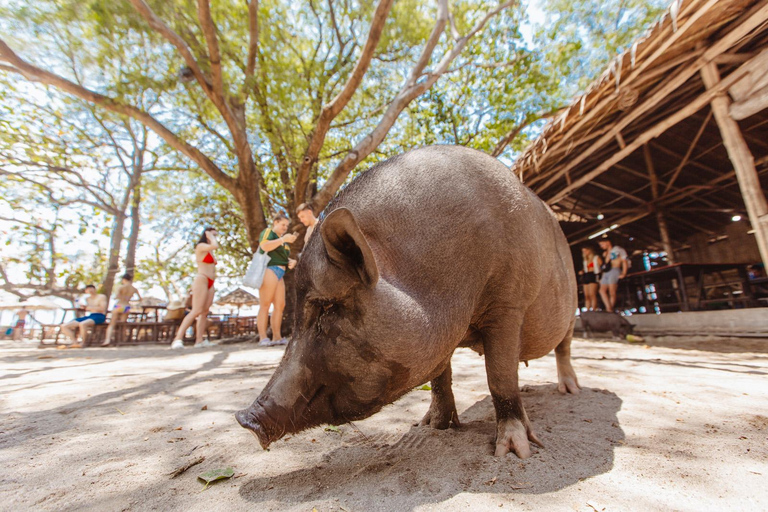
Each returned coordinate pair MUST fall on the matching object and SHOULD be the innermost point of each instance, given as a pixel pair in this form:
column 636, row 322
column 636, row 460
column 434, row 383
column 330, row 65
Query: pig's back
column 455, row 224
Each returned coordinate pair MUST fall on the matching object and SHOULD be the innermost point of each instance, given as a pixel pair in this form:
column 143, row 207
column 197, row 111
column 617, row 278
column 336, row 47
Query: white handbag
column 254, row 276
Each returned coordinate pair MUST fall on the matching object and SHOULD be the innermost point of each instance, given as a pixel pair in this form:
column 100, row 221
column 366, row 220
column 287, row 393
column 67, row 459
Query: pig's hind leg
column 502, row 338
column 566, row 377
column 442, row 411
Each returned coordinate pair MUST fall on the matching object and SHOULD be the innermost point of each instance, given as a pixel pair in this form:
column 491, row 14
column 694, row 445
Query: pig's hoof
column 513, row 436
column 567, row 382
column 246, row 420
column 440, row 419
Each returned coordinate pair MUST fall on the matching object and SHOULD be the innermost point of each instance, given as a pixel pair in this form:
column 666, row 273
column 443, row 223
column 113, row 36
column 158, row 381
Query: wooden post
column 742, row 159
column 660, row 220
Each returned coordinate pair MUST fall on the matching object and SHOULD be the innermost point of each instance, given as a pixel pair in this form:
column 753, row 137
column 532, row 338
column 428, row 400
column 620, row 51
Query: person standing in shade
column 275, row 242
column 21, row 322
column 307, row 217
column 125, row 292
column 97, row 315
column 617, row 265
column 589, row 276
column 202, row 290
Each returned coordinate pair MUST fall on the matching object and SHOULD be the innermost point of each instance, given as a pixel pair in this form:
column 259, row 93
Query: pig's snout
column 249, row 419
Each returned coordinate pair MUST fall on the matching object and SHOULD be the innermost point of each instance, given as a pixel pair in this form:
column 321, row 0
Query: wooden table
column 688, row 287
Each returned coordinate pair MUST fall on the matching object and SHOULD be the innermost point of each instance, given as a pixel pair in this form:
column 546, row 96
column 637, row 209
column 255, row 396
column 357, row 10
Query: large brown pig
column 439, row 248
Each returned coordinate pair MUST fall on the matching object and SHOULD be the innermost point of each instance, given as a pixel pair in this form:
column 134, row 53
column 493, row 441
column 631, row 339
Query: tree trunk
column 114, row 255
column 247, row 196
column 133, row 238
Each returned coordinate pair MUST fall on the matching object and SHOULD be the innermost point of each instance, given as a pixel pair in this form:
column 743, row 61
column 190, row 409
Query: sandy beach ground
column 673, row 425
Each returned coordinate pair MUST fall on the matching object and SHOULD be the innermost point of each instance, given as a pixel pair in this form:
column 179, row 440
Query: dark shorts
column 279, row 272
column 98, row 318
column 588, row 278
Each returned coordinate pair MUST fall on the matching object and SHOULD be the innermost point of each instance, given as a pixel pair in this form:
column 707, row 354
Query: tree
column 33, row 260
column 581, row 36
column 281, row 108
column 75, row 155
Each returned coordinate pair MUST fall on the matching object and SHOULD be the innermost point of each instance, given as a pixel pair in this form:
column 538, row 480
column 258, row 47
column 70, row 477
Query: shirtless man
column 97, row 309
column 307, row 217
column 125, row 292
column 21, row 321
column 619, row 265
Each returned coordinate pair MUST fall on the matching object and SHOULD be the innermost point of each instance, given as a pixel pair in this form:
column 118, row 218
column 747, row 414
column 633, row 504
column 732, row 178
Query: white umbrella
column 31, row 304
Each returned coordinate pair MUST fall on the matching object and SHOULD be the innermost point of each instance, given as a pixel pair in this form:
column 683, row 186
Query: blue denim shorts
column 279, row 272
column 611, row 277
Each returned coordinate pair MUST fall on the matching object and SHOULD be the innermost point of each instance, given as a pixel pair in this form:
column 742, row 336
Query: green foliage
column 504, row 79
column 581, row 36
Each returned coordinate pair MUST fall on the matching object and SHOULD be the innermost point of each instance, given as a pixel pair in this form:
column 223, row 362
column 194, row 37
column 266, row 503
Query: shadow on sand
column 580, row 434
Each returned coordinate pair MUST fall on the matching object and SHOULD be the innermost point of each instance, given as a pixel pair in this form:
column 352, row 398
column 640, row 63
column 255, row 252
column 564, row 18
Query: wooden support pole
column 742, row 159
column 666, row 242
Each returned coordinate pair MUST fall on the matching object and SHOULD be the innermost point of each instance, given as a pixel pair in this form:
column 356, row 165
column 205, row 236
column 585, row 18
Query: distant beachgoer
column 592, row 266
column 125, row 292
column 97, row 309
column 21, row 322
column 202, row 290
column 175, row 311
column 307, row 217
column 616, row 265
column 274, row 241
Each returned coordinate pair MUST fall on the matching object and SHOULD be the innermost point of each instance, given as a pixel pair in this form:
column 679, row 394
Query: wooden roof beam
column 698, row 12
column 694, row 106
column 618, row 192
column 754, row 19
column 688, row 153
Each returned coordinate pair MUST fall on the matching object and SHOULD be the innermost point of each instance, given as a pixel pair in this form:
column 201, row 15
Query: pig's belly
column 543, row 330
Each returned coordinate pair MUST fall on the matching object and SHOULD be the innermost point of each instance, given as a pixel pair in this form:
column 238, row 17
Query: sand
column 673, row 425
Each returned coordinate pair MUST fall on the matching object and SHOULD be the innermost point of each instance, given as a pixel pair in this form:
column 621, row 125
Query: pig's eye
column 324, row 306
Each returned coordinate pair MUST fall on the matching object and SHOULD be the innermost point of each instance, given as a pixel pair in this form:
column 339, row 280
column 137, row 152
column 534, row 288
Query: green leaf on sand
column 331, row 428
column 425, row 387
column 215, row 474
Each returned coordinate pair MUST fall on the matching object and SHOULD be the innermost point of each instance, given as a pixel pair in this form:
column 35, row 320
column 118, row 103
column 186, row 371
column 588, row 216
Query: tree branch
column 214, row 56
column 176, row 40
column 410, row 90
column 515, row 131
column 335, row 106
column 253, row 44
column 36, row 74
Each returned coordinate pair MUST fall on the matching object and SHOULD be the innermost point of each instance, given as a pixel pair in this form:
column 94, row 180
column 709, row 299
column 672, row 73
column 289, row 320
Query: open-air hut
column 668, row 149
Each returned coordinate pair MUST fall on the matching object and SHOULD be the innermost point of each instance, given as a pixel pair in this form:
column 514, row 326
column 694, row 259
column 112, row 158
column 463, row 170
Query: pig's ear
column 347, row 247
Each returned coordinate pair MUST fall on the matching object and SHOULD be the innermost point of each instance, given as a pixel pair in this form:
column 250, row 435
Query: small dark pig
column 438, row 248
column 604, row 321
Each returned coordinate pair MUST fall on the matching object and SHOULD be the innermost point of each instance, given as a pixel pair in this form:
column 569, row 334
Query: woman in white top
column 592, row 265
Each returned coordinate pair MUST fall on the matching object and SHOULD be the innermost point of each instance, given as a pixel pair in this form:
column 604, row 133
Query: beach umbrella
column 238, row 298
column 31, row 304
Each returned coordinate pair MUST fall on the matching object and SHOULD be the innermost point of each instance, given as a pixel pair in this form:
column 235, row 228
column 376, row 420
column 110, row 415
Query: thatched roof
column 648, row 114
column 238, row 297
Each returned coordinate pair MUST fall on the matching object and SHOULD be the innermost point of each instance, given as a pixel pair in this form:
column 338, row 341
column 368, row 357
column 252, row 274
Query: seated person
column 97, row 315
column 125, row 292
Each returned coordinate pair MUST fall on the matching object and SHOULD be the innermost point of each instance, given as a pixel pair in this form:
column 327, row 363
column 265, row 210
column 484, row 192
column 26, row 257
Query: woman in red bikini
column 202, row 290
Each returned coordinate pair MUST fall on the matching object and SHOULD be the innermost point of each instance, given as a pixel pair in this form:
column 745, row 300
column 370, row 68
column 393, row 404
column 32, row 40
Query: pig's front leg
column 442, row 411
column 501, row 339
